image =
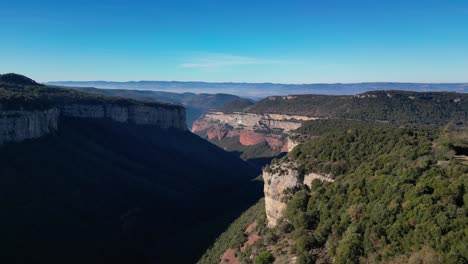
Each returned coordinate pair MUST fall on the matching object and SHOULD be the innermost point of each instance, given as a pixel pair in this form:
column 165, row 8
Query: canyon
column 101, row 179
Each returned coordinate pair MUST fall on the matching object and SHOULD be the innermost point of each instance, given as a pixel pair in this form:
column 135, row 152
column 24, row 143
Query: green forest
column 399, row 196
column 18, row 92
column 401, row 107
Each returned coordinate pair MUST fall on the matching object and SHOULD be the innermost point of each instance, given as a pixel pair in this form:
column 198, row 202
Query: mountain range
column 261, row 90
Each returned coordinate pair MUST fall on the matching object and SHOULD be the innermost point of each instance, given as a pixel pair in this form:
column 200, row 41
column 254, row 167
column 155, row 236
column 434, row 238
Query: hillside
column 237, row 105
column 365, row 192
column 19, row 92
column 17, row 79
column 100, row 184
column 392, row 106
column 195, row 104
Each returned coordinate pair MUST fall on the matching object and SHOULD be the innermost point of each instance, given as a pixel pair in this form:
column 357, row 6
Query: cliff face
column 16, row 126
column 251, row 128
column 278, row 178
column 136, row 114
column 20, row 125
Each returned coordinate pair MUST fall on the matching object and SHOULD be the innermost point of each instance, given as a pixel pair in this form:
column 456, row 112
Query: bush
column 264, row 258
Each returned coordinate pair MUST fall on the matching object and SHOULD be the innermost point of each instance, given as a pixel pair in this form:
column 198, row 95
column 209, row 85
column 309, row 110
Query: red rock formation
column 229, row 257
column 200, row 126
column 232, row 133
column 216, row 132
column 248, row 138
column 251, row 228
column 250, row 241
column 275, row 143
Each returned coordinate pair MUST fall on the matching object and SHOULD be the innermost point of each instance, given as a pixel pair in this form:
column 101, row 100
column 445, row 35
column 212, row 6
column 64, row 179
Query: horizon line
column 273, row 83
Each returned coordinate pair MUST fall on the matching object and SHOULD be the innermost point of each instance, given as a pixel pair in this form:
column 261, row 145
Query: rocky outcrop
column 291, row 144
column 251, row 128
column 136, row 114
column 249, row 137
column 241, row 120
column 16, row 126
column 278, row 179
column 21, row 125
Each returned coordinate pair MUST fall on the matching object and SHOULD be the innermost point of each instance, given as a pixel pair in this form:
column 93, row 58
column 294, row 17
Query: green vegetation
column 398, row 192
column 399, row 107
column 231, row 144
column 264, row 258
column 20, row 93
column 345, row 145
column 399, row 196
column 16, row 79
column 234, row 237
column 237, row 105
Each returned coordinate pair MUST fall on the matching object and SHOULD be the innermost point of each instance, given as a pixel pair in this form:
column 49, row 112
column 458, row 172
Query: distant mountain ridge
column 260, row 90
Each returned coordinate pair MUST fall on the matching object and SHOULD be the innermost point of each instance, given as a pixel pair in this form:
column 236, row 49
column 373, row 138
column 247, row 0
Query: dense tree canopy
column 399, row 191
column 400, row 107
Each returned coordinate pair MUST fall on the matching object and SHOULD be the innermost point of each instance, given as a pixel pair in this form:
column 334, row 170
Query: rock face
column 16, row 126
column 291, row 144
column 20, row 125
column 277, row 179
column 136, row 114
column 256, row 121
column 251, row 128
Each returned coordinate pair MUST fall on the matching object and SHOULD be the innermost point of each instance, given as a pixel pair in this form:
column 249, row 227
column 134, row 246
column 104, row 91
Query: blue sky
column 242, row 41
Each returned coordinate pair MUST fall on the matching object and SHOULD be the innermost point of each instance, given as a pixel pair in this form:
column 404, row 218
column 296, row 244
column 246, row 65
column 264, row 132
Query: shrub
column 264, row 258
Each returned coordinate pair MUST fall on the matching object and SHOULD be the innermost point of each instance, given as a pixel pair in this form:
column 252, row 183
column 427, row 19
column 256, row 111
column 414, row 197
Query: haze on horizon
column 297, row 42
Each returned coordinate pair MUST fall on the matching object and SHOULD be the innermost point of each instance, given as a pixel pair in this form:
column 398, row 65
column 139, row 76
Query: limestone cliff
column 251, row 128
column 139, row 114
column 18, row 125
column 21, row 125
column 278, row 179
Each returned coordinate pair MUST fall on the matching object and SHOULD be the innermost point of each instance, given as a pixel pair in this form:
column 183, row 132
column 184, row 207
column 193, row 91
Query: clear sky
column 237, row 40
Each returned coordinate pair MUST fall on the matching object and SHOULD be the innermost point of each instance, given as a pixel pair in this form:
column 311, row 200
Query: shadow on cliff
column 101, row 192
column 259, row 163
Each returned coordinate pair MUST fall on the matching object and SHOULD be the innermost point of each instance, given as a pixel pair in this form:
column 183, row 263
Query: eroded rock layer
column 278, row 179
column 252, row 129
column 18, row 125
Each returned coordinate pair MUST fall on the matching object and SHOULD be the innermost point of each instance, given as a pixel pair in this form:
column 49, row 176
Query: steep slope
column 98, row 188
column 196, row 104
column 365, row 192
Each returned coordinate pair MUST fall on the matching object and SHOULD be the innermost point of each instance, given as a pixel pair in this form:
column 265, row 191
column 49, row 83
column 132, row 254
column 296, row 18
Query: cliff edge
column 30, row 110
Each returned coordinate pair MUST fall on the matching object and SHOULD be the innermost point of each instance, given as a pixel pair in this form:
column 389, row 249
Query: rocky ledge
column 18, row 125
column 279, row 179
column 136, row 114
column 251, row 128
